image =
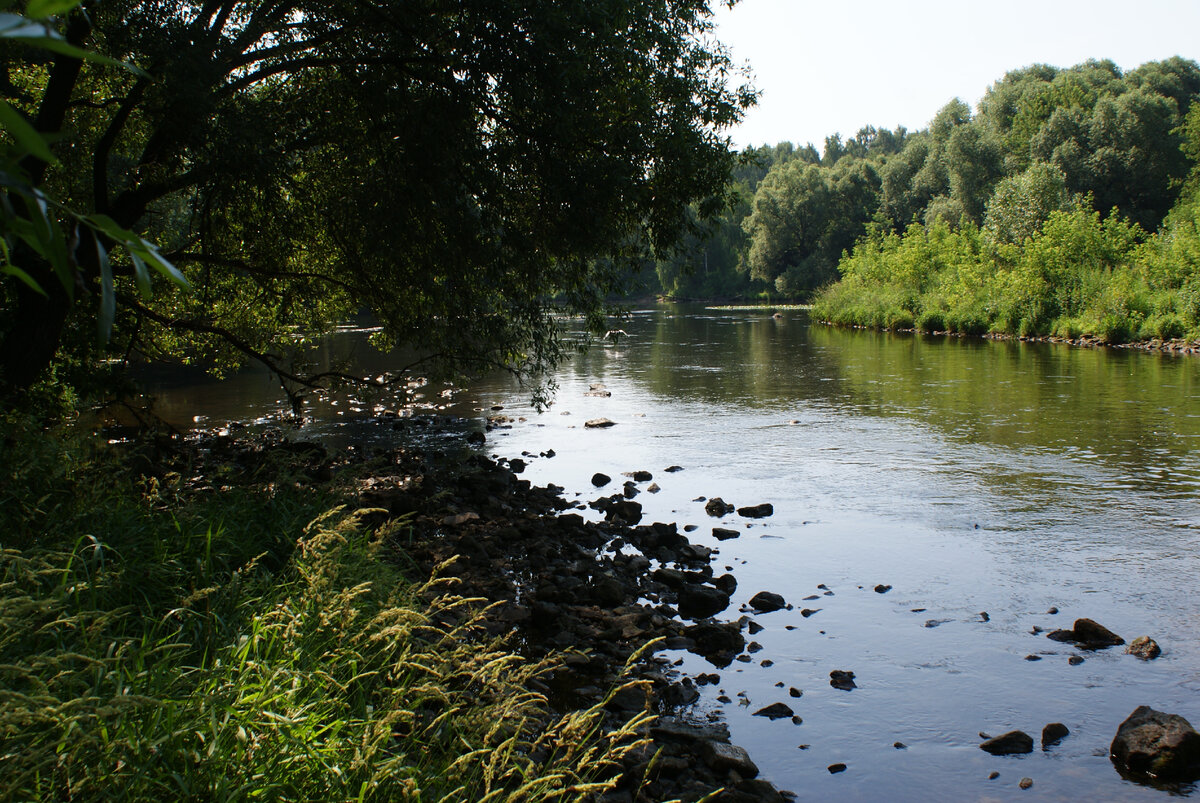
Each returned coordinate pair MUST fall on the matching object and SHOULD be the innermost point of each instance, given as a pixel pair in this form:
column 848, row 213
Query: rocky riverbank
column 561, row 583
column 596, row 593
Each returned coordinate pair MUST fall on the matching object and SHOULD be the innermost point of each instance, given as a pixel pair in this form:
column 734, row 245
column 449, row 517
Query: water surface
column 970, row 475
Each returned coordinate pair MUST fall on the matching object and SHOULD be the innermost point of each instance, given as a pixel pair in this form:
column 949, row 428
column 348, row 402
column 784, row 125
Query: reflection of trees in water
column 1127, row 408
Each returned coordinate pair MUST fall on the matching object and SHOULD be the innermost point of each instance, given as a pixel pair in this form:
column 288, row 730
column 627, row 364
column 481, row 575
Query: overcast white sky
column 833, row 67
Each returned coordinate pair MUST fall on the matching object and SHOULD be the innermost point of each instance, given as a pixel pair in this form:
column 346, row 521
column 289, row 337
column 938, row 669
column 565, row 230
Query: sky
column 834, row 67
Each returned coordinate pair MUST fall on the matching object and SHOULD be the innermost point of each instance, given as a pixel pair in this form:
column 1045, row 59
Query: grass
column 251, row 643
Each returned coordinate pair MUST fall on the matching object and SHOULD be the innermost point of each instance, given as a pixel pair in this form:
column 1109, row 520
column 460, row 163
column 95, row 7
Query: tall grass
column 159, row 645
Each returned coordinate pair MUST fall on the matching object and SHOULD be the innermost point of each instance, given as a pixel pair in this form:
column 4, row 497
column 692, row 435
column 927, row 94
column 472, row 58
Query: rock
column 842, row 679
column 1162, row 746
column 723, row 757
column 672, row 578
column 701, row 602
column 1075, row 660
column 834, row 769
column 461, row 518
column 600, row 480
column 1088, row 634
column 599, row 423
column 712, row 638
column 673, row 469
column 1026, row 783
column 1054, row 733
column 653, row 488
column 794, row 692
column 640, row 476
column 517, row 465
column 993, row 775
column 807, row 612
column 775, row 711
column 717, row 507
column 767, row 601
column 727, row 583
column 724, row 533
column 627, row 512
column 1144, row 647
column 882, row 589
column 900, row 745
column 597, row 390
column 756, row 511
column 1008, row 744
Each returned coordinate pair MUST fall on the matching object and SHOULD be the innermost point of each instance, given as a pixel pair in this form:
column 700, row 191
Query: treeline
column 1065, row 204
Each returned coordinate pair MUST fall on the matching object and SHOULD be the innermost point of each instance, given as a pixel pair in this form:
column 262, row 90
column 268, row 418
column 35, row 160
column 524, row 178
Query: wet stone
column 1054, row 733
column 775, row 711
column 767, row 601
column 842, row 679
column 1011, row 743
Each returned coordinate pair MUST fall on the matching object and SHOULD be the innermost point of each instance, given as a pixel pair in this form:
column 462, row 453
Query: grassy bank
column 1079, row 275
column 234, row 634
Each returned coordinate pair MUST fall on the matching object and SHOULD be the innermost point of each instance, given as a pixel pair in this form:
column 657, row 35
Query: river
column 972, row 476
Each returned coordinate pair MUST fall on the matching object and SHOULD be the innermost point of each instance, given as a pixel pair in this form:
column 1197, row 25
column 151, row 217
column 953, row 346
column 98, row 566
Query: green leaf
column 40, row 9
column 108, row 297
column 24, row 134
column 13, row 270
column 149, row 253
column 140, row 273
column 109, row 226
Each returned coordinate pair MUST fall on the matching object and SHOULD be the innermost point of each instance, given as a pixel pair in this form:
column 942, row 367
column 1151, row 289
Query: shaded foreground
column 228, row 619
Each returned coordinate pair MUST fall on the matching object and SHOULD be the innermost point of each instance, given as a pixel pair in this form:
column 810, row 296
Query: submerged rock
column 1088, row 635
column 599, row 423
column 1144, row 647
column 1162, row 746
column 1011, row 743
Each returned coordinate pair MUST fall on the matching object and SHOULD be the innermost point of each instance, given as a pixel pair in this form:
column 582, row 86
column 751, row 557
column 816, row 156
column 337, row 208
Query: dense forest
column 1065, row 204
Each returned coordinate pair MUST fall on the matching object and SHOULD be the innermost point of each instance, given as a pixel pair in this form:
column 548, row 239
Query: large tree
column 461, row 168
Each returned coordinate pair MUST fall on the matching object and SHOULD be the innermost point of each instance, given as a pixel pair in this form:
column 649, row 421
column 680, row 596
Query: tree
column 453, row 166
column 1022, row 203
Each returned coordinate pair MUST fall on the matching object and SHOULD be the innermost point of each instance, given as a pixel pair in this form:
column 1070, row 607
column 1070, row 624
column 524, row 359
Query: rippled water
column 972, row 476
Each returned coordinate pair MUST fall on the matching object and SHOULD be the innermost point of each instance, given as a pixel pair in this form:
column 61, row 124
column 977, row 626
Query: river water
column 970, row 475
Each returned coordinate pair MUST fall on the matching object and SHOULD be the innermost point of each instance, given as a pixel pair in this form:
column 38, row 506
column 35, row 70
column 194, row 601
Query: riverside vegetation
column 238, row 636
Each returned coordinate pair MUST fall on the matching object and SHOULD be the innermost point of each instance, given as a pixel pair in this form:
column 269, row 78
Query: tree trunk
column 29, row 345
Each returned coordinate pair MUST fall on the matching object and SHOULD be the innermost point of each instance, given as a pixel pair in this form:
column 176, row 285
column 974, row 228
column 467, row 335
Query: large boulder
column 1162, row 746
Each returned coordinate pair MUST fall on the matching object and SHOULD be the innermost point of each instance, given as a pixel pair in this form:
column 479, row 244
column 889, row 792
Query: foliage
column 203, row 646
column 462, row 170
column 1079, row 274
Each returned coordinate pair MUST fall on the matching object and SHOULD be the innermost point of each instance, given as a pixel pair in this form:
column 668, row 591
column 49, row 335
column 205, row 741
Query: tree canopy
column 460, row 169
